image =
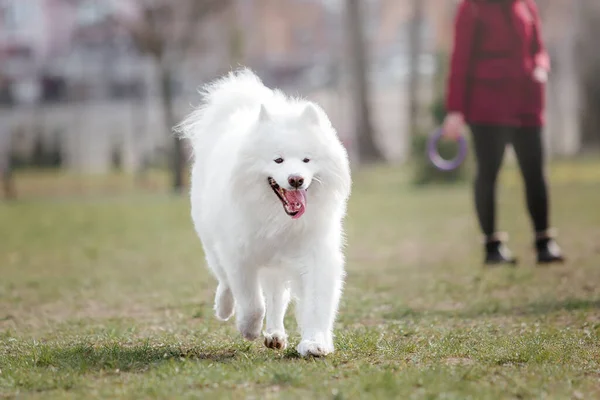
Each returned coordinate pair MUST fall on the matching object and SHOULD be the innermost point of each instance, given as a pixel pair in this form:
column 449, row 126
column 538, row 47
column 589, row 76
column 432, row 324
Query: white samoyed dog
column 269, row 185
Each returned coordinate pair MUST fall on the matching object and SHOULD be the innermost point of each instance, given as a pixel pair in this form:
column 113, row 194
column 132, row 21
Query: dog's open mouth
column 294, row 201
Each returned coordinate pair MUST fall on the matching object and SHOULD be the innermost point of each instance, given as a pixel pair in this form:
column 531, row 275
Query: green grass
column 106, row 296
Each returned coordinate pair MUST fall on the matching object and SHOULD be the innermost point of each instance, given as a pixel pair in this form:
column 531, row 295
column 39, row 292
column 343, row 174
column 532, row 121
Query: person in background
column 496, row 84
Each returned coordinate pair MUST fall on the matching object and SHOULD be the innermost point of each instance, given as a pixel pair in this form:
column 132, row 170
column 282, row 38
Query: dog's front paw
column 313, row 348
column 276, row 340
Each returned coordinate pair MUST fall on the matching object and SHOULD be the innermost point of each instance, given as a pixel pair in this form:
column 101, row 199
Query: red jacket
column 497, row 45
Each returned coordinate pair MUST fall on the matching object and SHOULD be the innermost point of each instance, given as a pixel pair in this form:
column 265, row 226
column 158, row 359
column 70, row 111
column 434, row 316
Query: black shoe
column 497, row 253
column 548, row 251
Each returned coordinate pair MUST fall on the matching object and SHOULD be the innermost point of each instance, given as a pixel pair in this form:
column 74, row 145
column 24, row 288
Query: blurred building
column 31, row 34
column 70, row 70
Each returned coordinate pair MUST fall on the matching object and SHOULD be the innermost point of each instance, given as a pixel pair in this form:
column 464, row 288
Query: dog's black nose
column 295, row 181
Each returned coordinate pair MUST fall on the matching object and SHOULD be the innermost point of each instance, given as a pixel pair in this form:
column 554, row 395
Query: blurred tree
column 167, row 31
column 367, row 148
column 589, row 73
column 415, row 50
column 236, row 37
column 6, row 174
column 8, row 187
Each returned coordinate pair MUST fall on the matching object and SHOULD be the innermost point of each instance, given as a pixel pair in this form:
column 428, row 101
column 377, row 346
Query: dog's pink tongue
column 297, row 201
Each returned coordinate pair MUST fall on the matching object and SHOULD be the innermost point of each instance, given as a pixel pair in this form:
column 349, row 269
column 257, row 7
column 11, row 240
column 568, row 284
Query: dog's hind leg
column 224, row 301
column 249, row 303
column 277, row 298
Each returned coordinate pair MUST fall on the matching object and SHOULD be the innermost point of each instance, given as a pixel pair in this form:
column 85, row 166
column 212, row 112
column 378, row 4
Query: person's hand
column 540, row 75
column 453, row 126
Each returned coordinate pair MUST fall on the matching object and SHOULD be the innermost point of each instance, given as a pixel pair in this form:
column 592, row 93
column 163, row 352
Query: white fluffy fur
column 260, row 255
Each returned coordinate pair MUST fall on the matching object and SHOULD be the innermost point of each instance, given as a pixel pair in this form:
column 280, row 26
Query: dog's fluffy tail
column 220, row 99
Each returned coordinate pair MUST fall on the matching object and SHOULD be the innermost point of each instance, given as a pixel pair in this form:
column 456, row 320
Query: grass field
column 106, row 296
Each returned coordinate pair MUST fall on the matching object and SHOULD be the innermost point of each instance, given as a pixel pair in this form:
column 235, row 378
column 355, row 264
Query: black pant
column 490, row 143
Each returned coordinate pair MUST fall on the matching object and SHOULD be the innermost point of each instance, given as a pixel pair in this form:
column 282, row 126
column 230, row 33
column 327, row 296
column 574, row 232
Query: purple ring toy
column 437, row 160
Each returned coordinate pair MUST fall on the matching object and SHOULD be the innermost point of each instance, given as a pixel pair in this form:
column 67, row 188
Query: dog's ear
column 310, row 115
column 263, row 115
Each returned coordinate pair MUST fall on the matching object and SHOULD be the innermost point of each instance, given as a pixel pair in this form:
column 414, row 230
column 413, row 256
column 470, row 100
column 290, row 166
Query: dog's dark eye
column 278, row 160
column 306, row 160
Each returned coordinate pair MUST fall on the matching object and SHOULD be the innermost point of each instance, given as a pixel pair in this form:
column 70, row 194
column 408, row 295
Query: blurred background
column 92, row 87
